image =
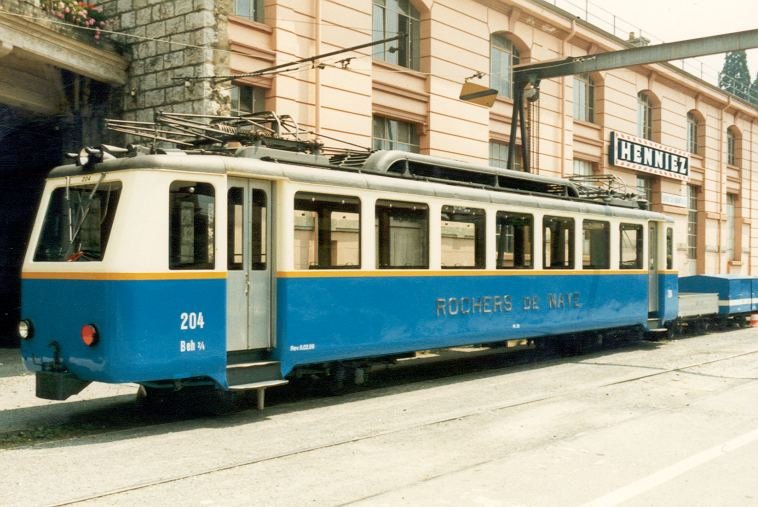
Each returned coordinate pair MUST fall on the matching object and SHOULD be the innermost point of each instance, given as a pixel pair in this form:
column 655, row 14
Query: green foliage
column 735, row 76
column 753, row 94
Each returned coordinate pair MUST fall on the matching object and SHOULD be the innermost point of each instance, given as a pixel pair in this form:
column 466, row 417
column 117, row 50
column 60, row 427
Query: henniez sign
column 646, row 156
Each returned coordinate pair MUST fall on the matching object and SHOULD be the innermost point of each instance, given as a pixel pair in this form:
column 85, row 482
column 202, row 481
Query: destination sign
column 649, row 157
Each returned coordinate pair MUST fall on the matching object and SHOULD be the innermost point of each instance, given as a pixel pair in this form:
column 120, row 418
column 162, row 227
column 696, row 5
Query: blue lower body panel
column 668, row 297
column 324, row 319
column 150, row 330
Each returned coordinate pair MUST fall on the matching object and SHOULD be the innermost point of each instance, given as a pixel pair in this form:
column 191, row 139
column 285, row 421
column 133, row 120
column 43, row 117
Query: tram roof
column 386, row 170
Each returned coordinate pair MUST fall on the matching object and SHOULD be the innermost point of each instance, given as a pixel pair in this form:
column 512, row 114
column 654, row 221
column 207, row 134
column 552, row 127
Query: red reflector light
column 89, row 335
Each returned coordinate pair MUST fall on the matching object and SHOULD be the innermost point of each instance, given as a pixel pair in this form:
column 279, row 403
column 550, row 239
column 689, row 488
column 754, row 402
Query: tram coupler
column 52, row 385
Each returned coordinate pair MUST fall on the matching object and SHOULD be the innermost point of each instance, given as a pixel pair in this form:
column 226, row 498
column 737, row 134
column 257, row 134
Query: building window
column 462, row 231
column 503, row 56
column 584, row 98
column 596, row 245
column 251, row 9
column 402, row 235
column 327, row 231
column 644, row 117
column 692, row 133
column 397, row 17
column 247, row 99
column 558, row 243
column 731, row 147
column 669, row 248
column 645, row 188
column 499, row 156
column 731, row 209
column 583, row 168
column 631, row 246
column 394, row 135
column 191, row 225
column 692, row 224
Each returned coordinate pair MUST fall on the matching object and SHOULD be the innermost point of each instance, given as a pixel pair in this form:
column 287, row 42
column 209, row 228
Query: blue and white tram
column 240, row 271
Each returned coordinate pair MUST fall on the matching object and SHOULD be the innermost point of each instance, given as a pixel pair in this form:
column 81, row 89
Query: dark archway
column 30, row 146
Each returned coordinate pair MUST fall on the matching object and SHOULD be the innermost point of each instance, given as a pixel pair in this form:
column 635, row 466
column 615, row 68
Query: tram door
column 652, row 274
column 248, row 293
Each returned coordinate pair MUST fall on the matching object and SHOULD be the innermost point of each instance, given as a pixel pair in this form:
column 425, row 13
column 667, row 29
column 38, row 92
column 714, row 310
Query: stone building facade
column 165, row 42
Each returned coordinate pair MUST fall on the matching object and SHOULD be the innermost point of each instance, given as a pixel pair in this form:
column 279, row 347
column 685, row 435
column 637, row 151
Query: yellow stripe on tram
column 58, row 275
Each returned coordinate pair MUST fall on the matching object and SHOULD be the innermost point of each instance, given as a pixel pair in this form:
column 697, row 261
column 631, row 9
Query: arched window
column 503, row 56
column 397, row 17
column 693, row 127
column 733, row 146
column 644, row 116
column 584, row 98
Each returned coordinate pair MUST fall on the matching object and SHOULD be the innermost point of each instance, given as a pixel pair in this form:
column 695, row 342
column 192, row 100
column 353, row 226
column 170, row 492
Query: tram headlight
column 90, row 336
column 25, row 329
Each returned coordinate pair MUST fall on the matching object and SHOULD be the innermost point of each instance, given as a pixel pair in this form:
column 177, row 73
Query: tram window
column 514, row 240
column 462, row 237
column 631, row 246
column 78, row 223
column 234, row 229
column 258, row 238
column 191, row 225
column 558, row 246
column 669, row 248
column 402, row 235
column 327, row 231
column 596, row 245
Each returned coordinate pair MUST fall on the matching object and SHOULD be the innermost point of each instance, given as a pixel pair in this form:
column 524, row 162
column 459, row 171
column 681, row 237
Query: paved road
column 673, row 423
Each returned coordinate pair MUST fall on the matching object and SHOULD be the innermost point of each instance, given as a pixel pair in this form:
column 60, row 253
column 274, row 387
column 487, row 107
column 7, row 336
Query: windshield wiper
column 82, row 211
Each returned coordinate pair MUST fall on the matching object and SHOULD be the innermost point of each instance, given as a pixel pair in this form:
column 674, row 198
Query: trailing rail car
column 717, row 301
column 244, row 270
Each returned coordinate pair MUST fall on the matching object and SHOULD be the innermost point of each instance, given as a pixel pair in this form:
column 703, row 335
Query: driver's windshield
column 78, row 223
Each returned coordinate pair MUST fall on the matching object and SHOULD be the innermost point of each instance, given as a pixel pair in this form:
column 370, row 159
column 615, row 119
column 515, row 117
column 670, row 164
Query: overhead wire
column 4, row 12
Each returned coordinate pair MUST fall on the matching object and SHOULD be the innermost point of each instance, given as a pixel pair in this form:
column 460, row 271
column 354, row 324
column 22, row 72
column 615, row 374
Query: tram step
column 260, row 389
column 250, row 373
column 259, row 385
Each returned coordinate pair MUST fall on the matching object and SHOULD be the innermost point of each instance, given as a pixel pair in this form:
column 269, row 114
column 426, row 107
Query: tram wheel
column 337, row 381
column 212, row 401
column 157, row 401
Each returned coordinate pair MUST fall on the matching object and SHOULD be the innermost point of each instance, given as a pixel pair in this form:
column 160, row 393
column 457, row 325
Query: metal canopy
column 532, row 74
column 637, row 56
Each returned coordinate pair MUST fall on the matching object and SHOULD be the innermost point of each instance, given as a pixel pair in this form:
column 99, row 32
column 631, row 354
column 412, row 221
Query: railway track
column 287, row 403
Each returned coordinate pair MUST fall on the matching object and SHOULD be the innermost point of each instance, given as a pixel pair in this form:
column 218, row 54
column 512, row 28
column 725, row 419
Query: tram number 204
column 191, row 320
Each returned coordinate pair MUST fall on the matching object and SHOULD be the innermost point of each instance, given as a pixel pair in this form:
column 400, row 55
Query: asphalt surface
column 669, row 423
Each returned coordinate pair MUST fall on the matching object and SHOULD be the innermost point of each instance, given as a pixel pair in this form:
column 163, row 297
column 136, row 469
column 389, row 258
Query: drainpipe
column 749, row 199
column 562, row 98
column 721, row 181
column 317, row 80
